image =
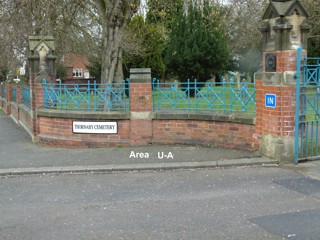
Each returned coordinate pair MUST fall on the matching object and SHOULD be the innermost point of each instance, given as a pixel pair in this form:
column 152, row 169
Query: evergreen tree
column 198, row 48
column 152, row 33
column 152, row 38
column 163, row 11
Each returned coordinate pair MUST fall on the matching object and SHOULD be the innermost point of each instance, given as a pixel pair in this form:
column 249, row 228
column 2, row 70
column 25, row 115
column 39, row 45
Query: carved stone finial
column 43, row 54
column 287, row 31
column 42, row 66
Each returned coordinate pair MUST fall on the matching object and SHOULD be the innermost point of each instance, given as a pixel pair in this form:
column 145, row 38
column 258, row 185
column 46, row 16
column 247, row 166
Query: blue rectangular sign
column 271, row 100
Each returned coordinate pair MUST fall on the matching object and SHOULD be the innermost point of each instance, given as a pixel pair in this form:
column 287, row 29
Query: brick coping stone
column 243, row 118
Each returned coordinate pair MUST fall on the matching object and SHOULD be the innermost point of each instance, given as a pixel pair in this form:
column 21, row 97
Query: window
column 86, row 75
column 77, row 72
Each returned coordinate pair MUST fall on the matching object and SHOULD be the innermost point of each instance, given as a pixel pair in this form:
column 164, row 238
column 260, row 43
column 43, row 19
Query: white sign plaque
column 95, row 127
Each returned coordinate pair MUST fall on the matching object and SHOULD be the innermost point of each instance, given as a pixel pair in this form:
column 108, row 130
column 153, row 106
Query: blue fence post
column 231, row 95
column 158, row 93
column 14, row 94
column 188, row 97
column 195, row 94
column 26, row 96
column 89, row 96
column 45, row 93
column 95, row 95
column 125, row 91
column 297, row 114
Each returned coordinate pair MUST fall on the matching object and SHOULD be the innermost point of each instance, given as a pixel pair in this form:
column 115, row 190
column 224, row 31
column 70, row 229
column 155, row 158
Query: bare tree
column 115, row 16
column 312, row 7
column 242, row 21
column 73, row 23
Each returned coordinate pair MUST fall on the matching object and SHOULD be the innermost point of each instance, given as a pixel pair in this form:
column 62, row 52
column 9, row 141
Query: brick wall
column 25, row 117
column 58, row 132
column 14, row 111
column 277, row 121
column 220, row 134
column 21, row 114
column 139, row 127
column 73, row 60
column 54, row 131
column 140, row 106
column 285, row 60
column 8, row 99
column 2, row 102
column 140, row 97
column 140, row 132
column 2, row 99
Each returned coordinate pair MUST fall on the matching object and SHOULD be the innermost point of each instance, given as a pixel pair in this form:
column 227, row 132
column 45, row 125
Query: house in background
column 76, row 69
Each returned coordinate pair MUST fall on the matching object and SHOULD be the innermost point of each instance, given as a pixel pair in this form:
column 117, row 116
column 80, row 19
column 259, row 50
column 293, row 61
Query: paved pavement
column 18, row 155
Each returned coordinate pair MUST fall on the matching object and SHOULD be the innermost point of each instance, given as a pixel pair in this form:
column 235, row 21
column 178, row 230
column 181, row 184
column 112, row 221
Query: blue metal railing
column 90, row 96
column 198, row 96
column 307, row 117
column 14, row 95
column 26, row 96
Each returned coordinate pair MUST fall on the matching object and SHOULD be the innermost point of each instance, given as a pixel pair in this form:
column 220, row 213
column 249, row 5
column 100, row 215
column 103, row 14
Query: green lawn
column 87, row 101
column 217, row 98
column 221, row 98
column 311, row 103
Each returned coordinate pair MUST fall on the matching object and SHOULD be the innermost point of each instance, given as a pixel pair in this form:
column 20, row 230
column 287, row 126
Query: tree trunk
column 115, row 16
column 112, row 55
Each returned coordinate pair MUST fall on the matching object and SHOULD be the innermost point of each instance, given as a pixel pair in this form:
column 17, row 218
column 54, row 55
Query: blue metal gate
column 307, row 109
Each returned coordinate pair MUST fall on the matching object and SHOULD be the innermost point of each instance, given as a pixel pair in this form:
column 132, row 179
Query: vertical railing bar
column 312, row 138
column 64, row 101
column 159, row 93
column 317, row 137
column 231, row 96
column 307, row 139
column 303, row 137
column 89, row 96
column 195, row 106
column 45, row 94
column 127, row 89
column 297, row 115
column 95, row 95
column 109, row 96
column 188, row 97
column 154, row 93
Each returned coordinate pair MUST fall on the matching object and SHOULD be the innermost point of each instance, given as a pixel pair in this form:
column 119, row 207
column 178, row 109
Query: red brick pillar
column 36, row 102
column 275, row 105
column 19, row 99
column 1, row 95
column 140, row 106
column 19, row 94
column 8, row 98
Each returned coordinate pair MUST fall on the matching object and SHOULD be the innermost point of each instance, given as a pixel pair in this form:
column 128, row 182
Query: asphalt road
column 235, row 203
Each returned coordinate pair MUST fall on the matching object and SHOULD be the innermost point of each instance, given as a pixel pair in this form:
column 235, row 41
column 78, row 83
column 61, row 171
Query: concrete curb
column 139, row 167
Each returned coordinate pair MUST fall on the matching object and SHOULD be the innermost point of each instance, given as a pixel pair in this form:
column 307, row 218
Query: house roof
column 75, row 60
